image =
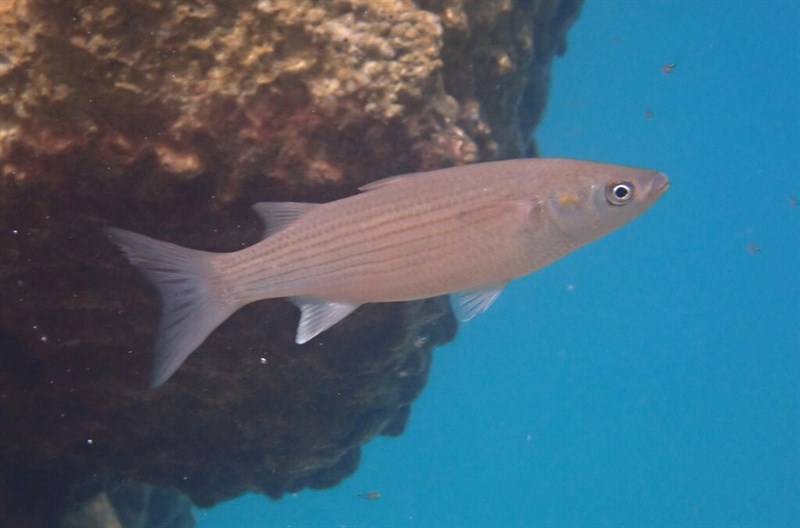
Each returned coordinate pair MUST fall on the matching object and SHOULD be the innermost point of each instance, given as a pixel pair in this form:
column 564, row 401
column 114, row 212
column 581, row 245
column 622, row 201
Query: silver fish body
column 466, row 231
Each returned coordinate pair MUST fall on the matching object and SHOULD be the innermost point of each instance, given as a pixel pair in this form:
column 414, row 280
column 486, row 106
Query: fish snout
column 660, row 183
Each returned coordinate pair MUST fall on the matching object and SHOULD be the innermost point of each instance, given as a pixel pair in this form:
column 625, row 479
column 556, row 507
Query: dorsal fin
column 277, row 215
column 377, row 184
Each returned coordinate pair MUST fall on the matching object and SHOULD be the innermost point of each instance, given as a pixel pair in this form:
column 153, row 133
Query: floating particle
column 753, row 249
column 370, row 495
column 648, row 114
column 793, row 202
column 668, row 68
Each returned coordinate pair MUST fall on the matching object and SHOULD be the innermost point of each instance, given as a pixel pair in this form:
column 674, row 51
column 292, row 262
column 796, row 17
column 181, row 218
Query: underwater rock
column 106, row 503
column 97, row 512
column 170, row 118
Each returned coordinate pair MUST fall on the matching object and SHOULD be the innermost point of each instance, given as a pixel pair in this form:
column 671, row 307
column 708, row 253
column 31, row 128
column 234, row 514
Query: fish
column 463, row 231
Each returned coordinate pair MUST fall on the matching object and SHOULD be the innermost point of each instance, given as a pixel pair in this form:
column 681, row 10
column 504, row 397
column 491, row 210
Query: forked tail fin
column 190, row 307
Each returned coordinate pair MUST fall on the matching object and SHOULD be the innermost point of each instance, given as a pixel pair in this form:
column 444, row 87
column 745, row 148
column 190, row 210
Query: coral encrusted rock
column 171, row 118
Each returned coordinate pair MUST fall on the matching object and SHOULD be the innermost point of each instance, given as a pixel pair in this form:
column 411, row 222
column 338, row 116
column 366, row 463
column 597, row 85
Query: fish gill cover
column 171, row 119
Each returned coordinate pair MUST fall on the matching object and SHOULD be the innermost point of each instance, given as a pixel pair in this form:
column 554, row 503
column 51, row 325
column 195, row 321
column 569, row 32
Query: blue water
column 653, row 378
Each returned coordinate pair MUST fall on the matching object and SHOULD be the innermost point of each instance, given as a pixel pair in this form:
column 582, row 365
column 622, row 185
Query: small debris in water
column 370, row 495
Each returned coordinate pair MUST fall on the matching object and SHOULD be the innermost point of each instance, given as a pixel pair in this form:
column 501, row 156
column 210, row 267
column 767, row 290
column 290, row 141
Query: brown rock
column 170, row 118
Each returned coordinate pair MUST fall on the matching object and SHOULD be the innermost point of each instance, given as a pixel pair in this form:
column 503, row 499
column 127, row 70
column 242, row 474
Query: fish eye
column 619, row 192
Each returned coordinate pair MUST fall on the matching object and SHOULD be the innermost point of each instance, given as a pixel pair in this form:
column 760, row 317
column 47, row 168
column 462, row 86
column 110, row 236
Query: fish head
column 595, row 199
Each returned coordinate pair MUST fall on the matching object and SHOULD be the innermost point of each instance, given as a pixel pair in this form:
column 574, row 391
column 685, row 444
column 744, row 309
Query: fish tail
column 191, row 305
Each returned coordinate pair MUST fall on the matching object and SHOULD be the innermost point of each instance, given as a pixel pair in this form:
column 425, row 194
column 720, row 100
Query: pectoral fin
column 505, row 213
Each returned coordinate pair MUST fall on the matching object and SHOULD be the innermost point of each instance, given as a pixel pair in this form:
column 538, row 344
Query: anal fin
column 468, row 304
column 318, row 315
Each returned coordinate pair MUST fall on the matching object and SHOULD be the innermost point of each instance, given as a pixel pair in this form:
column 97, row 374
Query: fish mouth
column 660, row 183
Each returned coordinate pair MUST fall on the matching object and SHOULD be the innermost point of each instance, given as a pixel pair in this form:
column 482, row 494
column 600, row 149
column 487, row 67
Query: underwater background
column 651, row 379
